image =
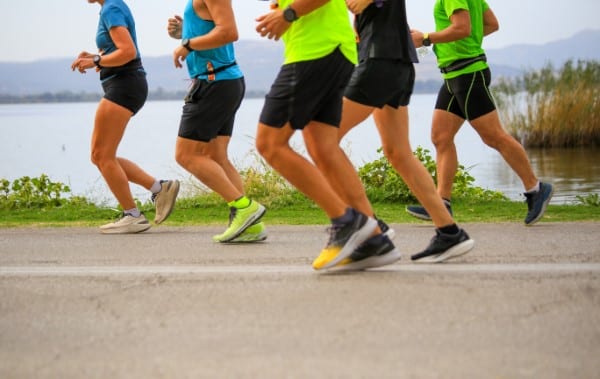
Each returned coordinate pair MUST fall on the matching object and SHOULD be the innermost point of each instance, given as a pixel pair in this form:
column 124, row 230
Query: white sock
column 156, row 187
column 535, row 188
column 133, row 212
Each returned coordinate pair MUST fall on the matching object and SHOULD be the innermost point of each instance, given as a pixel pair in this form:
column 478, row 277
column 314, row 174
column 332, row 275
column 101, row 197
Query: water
column 54, row 139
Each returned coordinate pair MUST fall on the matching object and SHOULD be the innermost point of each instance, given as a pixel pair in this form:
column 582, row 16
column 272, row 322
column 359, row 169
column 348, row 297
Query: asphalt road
column 170, row 303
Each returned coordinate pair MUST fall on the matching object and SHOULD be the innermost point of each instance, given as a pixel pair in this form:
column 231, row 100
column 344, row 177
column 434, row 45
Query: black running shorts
column 380, row 82
column 210, row 108
column 128, row 89
column 308, row 91
column 467, row 96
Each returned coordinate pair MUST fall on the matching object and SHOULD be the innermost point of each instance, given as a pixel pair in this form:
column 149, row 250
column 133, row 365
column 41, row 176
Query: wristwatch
column 426, row 40
column 186, row 43
column 96, row 60
column 289, row 14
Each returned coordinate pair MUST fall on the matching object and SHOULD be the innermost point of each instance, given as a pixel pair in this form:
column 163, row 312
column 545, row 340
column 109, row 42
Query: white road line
column 446, row 268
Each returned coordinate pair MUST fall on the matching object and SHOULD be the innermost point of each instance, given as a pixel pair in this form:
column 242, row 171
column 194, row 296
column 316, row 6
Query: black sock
column 449, row 229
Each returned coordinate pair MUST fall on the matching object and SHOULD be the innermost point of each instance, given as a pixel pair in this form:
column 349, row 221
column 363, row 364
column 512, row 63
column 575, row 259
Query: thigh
column 109, row 126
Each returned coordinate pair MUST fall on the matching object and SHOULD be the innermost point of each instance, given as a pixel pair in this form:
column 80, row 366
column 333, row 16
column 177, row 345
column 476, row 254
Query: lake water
column 54, row 139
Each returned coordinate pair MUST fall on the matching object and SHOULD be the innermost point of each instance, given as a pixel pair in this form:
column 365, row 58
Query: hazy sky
column 62, row 28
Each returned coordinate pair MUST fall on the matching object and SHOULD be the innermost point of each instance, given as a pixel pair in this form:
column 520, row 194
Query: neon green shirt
column 318, row 33
column 468, row 47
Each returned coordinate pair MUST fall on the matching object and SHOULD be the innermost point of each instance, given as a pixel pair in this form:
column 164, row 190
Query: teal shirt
column 468, row 47
column 197, row 60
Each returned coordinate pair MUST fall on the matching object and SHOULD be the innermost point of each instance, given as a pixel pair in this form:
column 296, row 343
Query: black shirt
column 384, row 33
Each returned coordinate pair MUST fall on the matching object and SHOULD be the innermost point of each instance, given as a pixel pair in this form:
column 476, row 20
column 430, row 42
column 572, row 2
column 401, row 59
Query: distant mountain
column 260, row 61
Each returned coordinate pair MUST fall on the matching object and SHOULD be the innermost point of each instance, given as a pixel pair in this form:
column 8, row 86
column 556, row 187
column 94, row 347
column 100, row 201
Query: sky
column 43, row 29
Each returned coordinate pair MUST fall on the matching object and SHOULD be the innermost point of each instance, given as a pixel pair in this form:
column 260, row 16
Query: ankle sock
column 347, row 217
column 449, row 229
column 536, row 188
column 242, row 202
column 156, row 187
column 133, row 212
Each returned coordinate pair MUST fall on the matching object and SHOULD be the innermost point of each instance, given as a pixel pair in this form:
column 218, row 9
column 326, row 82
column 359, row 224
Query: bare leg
column 444, row 127
column 109, row 127
column 195, row 157
column 393, row 129
column 273, row 145
column 491, row 132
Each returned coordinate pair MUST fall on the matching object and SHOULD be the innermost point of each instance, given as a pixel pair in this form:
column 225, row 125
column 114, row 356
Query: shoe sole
column 357, row 238
column 544, row 206
column 371, row 262
column 249, row 222
column 418, row 215
column 455, row 251
column 248, row 238
column 131, row 229
column 171, row 206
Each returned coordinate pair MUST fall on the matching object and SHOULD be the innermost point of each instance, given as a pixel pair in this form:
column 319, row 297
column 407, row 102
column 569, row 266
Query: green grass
column 301, row 213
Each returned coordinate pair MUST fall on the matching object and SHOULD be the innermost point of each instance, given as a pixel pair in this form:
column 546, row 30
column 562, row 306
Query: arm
column 357, row 6
column 224, row 32
column 272, row 25
column 459, row 28
column 124, row 53
column 174, row 26
column 490, row 22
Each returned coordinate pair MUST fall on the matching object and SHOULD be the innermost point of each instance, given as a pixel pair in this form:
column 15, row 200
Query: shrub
column 29, row 192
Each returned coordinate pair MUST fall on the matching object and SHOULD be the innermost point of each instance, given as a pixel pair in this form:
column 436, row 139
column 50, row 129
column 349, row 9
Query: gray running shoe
column 537, row 203
column 164, row 200
column 126, row 224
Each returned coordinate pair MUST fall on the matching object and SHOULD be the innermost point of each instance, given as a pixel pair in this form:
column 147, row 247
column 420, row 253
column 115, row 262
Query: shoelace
column 232, row 213
column 333, row 230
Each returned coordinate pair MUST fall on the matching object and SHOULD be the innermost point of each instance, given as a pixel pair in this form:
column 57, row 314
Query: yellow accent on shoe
column 327, row 255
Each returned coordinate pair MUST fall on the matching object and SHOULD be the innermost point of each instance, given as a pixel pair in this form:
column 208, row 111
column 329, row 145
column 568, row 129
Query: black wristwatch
column 426, row 40
column 289, row 14
column 186, row 43
column 96, row 60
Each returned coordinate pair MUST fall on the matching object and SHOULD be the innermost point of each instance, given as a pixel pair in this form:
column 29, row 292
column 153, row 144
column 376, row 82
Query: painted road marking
column 446, row 268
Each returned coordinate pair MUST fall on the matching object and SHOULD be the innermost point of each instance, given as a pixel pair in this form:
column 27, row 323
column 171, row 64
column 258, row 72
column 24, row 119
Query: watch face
column 290, row 15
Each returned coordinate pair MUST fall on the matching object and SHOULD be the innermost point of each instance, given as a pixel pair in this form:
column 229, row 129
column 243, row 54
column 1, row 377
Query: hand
column 179, row 56
column 417, row 37
column 357, row 6
column 83, row 62
column 174, row 25
column 272, row 25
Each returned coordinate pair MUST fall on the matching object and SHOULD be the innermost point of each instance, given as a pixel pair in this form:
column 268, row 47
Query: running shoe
column 419, row 211
column 240, row 219
column 377, row 251
column 344, row 239
column 445, row 246
column 254, row 233
column 164, row 200
column 126, row 224
column 537, row 203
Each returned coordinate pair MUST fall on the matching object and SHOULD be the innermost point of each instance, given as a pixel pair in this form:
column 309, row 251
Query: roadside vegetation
column 553, row 108
column 41, row 202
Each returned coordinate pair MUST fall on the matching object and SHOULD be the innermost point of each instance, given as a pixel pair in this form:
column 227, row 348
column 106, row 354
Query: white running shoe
column 127, row 224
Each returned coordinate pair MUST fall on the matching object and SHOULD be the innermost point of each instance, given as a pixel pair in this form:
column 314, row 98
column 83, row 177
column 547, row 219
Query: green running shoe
column 240, row 220
column 255, row 233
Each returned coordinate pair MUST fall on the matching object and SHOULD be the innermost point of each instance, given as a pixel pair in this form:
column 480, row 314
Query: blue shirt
column 114, row 13
column 198, row 60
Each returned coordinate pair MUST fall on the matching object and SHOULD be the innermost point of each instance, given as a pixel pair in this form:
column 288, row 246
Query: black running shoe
column 344, row 239
column 445, row 246
column 537, row 203
column 375, row 252
column 420, row 212
column 385, row 228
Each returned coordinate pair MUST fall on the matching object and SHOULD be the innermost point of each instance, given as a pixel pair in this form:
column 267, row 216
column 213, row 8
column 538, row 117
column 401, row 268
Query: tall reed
column 549, row 108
